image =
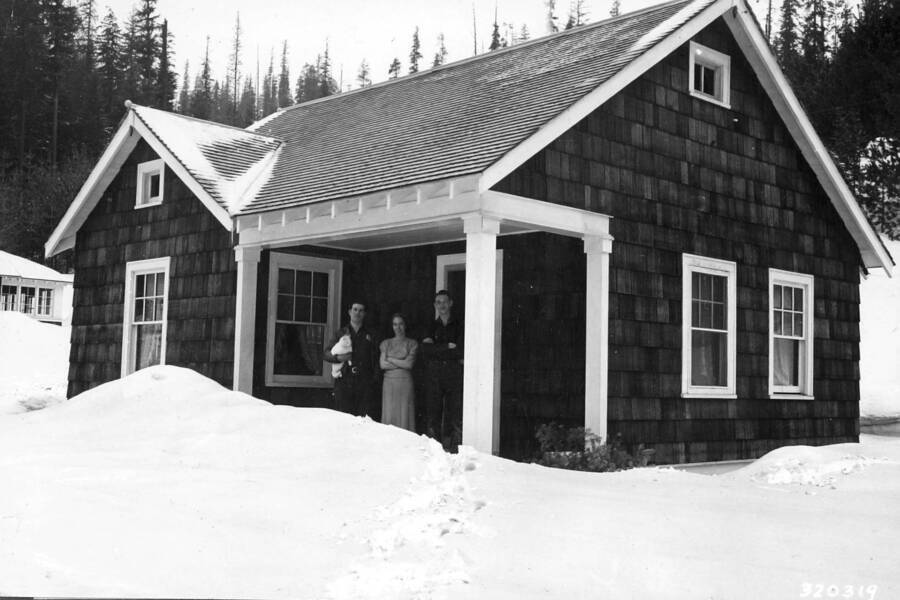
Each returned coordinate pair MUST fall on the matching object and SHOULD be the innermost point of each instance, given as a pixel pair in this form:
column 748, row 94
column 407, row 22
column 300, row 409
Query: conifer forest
column 66, row 70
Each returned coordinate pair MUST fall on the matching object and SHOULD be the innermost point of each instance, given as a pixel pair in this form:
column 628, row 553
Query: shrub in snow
column 579, row 449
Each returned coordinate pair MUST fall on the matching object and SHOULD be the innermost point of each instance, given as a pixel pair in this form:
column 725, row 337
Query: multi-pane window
column 145, row 314
column 45, row 301
column 790, row 343
column 26, row 300
column 708, row 357
column 150, row 183
column 8, row 295
column 710, row 74
column 303, row 314
column 300, row 321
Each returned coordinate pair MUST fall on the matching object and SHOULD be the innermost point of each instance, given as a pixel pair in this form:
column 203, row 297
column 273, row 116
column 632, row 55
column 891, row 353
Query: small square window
column 150, row 180
column 710, row 73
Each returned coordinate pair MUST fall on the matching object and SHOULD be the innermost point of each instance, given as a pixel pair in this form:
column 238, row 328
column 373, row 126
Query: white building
column 35, row 290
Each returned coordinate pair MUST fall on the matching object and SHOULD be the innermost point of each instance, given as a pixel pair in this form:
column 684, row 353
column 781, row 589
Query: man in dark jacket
column 354, row 389
column 443, row 351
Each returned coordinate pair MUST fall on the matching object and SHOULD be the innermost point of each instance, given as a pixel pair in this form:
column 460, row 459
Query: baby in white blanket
column 343, row 346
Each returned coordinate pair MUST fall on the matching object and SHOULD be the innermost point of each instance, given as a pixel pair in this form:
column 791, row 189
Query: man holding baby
column 354, row 387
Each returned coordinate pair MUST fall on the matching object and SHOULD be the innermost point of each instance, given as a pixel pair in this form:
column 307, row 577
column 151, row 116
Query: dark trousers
column 353, row 393
column 443, row 402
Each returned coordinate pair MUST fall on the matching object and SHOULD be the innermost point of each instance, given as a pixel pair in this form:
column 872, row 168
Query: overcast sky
column 377, row 30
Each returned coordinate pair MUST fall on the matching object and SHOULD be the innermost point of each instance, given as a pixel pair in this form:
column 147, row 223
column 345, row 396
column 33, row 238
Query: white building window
column 45, row 302
column 710, row 75
column 150, row 182
column 303, row 312
column 709, row 327
column 8, row 297
column 790, row 334
column 27, row 296
column 146, row 312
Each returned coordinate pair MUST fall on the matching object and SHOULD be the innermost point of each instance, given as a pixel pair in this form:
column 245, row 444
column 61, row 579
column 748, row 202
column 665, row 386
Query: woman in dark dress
column 398, row 355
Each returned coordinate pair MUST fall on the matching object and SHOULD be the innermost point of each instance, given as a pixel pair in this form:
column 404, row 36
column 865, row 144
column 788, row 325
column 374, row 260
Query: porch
column 444, row 212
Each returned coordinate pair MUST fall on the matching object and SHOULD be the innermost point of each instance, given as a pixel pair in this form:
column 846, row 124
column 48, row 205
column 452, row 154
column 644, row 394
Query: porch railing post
column 596, row 338
column 247, row 258
column 481, row 405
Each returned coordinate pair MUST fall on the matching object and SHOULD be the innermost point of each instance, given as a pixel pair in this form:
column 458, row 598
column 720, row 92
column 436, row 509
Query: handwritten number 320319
column 820, row 590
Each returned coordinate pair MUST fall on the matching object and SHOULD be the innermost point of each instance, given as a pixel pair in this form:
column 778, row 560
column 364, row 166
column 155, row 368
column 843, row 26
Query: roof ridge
column 132, row 105
column 476, row 57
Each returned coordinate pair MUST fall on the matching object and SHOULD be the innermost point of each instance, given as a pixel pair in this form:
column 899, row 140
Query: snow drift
column 165, row 484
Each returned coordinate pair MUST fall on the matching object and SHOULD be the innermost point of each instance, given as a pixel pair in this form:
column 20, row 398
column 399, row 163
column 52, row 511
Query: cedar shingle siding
column 201, row 290
column 683, row 175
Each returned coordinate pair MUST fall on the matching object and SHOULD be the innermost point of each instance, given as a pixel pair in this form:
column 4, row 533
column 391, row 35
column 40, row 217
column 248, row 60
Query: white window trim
column 145, row 169
column 807, row 282
column 49, row 307
column 132, row 270
column 701, row 264
column 700, row 54
column 334, row 268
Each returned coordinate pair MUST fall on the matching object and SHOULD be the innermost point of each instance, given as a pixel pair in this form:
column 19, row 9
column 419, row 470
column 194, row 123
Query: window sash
column 303, row 312
column 790, row 333
column 145, row 314
column 709, row 327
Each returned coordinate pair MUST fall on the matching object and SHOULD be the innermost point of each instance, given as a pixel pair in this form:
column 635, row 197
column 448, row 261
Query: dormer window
column 710, row 74
column 150, row 180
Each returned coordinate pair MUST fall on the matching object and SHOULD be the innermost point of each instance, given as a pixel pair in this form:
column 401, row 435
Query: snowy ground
column 165, row 484
column 34, row 363
column 879, row 349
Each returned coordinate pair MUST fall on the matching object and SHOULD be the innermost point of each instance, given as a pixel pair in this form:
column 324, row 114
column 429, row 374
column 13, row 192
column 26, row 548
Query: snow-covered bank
column 34, row 363
column 879, row 348
column 165, row 484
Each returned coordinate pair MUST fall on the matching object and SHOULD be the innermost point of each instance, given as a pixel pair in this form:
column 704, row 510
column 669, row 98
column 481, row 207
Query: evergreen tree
column 308, row 83
column 247, row 106
column 61, row 25
column 440, row 57
column 270, row 90
column 394, row 69
column 495, row 35
column 524, row 34
column 327, row 84
column 147, row 51
column 109, row 65
column 787, row 41
column 552, row 19
column 615, row 8
column 364, row 74
column 202, row 96
column 415, row 53
column 234, row 60
column 284, row 80
column 184, row 96
column 167, row 80
column 129, row 81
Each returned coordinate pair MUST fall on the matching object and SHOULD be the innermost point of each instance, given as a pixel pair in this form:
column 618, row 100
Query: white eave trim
column 752, row 43
column 107, row 168
column 593, row 100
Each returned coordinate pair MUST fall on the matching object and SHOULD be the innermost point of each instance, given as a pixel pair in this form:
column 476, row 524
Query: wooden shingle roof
column 452, row 120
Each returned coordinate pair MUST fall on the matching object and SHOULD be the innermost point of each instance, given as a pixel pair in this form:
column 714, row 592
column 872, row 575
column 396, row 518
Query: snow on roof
column 226, row 161
column 16, row 266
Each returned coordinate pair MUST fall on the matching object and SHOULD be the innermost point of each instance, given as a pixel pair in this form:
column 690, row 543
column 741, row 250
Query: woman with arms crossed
column 398, row 355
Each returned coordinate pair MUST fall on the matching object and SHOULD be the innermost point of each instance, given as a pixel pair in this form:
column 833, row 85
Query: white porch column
column 481, row 406
column 247, row 258
column 596, row 338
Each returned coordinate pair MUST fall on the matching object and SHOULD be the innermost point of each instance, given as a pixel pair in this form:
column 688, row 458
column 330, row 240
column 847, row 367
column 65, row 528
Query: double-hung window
column 146, row 314
column 45, row 302
column 709, row 325
column 150, row 181
column 710, row 75
column 26, row 295
column 8, row 296
column 790, row 334
column 302, row 313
